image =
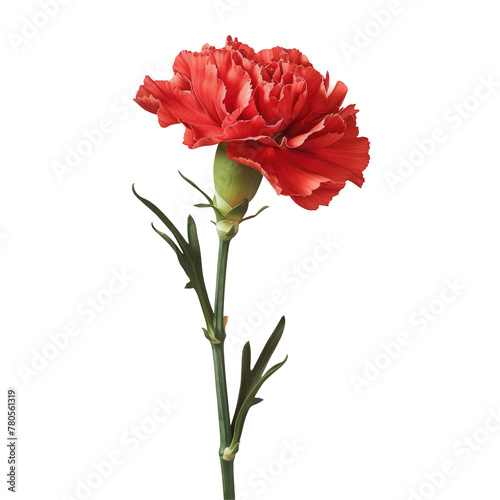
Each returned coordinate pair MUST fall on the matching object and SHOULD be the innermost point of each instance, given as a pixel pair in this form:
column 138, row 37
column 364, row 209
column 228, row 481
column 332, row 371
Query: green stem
column 220, row 288
column 227, row 467
column 224, row 420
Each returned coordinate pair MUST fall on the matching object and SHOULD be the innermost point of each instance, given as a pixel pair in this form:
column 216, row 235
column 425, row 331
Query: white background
column 62, row 239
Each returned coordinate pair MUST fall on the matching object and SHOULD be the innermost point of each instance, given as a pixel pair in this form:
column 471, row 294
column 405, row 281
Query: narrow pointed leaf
column 246, row 358
column 194, row 242
column 268, row 350
column 182, row 258
column 178, row 236
column 246, row 375
column 189, row 181
column 249, row 376
column 249, row 402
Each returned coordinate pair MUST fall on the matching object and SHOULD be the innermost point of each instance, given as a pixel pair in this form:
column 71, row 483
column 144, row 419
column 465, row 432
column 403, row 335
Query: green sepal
column 238, row 212
column 255, row 215
column 218, row 213
column 233, row 182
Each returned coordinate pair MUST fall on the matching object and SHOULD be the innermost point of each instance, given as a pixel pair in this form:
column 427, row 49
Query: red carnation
column 275, row 111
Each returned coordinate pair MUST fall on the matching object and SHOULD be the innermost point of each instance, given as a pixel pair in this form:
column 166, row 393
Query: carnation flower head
column 276, row 112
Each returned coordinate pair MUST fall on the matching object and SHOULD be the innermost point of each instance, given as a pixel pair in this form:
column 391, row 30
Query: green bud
column 230, row 452
column 210, row 335
column 234, row 183
column 227, row 229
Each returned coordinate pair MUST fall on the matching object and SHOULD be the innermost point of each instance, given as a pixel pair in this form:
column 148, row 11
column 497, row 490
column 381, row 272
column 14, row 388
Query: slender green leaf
column 178, row 236
column 250, row 376
column 189, row 255
column 246, row 375
column 196, row 187
column 268, row 350
column 247, row 358
column 194, row 242
column 251, row 400
column 182, row 258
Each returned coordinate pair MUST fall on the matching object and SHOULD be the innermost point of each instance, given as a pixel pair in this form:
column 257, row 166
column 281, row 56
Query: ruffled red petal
column 249, row 130
column 283, row 102
column 321, row 196
column 317, row 173
column 236, row 80
column 205, row 82
column 152, row 94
